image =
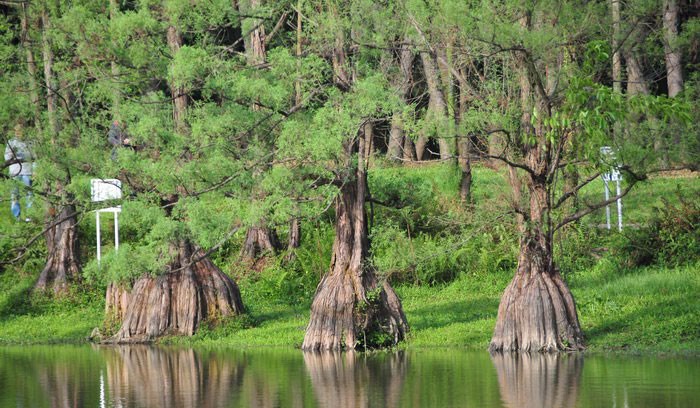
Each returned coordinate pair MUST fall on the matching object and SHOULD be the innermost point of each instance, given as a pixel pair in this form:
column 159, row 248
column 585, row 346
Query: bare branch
column 582, row 213
column 279, row 24
column 575, row 190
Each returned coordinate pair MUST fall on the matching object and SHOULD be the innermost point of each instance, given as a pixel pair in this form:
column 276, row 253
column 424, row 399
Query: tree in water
column 350, row 301
column 62, row 264
column 353, row 307
column 559, row 123
column 186, row 288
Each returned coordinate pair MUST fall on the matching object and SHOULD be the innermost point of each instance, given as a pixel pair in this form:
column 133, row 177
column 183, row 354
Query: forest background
column 254, row 123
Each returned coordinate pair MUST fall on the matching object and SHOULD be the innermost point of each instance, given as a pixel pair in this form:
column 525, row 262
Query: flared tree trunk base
column 62, row 266
column 342, row 319
column 537, row 313
column 116, row 302
column 176, row 302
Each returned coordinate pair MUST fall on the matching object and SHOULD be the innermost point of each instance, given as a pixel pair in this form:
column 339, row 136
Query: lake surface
column 142, row 376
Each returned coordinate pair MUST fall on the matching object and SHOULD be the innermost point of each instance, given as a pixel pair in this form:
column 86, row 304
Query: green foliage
column 670, row 238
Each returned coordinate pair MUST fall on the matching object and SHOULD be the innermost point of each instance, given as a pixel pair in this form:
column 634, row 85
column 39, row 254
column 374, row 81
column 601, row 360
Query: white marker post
column 102, row 190
column 612, row 175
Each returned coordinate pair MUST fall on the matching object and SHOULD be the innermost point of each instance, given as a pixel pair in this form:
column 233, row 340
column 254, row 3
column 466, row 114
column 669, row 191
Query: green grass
column 27, row 318
column 648, row 310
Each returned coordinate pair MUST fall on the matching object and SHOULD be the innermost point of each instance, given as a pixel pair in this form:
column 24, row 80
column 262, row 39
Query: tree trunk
column 117, row 300
column 674, row 70
column 62, row 265
column 350, row 303
column 420, row 144
column 177, row 93
column 437, row 107
column 396, row 135
column 396, row 146
column 116, row 91
column 464, row 145
column 616, row 57
column 259, row 241
column 191, row 291
column 253, row 32
column 464, row 161
column 409, row 150
column 636, row 83
column 51, row 97
column 294, row 239
column 31, row 66
column 537, row 311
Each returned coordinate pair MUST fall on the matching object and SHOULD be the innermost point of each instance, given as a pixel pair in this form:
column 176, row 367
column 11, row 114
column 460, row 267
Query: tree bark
column 464, row 145
column 116, row 92
column 294, row 238
column 259, row 240
column 437, row 107
column 637, row 83
column 616, row 56
column 31, row 65
column 409, row 150
column 537, row 310
column 51, row 97
column 62, row 264
column 191, row 290
column 464, row 162
column 350, row 302
column 395, row 149
column 117, row 300
column 674, row 70
column 254, row 32
column 177, row 93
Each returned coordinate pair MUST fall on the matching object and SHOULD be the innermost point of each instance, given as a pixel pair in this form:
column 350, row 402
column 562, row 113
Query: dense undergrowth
column 636, row 291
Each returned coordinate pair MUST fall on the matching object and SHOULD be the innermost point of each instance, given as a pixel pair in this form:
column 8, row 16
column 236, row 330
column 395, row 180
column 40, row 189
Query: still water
column 141, row 376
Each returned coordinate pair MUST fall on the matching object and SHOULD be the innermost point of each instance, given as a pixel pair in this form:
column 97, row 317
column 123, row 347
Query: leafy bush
column 432, row 259
column 671, row 237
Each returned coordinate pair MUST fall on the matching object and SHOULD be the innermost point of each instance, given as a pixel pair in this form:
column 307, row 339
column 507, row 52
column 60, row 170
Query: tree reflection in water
column 351, row 380
column 141, row 376
column 534, row 380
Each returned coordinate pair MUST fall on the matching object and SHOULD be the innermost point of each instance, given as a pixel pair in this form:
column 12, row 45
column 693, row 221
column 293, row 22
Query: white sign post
column 102, row 190
column 612, row 175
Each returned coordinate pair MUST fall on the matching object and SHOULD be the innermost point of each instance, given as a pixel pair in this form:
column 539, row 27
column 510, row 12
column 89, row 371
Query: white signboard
column 105, row 189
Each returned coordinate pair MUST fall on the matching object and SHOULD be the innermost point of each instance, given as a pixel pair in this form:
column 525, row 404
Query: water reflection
column 351, row 380
column 141, row 376
column 534, row 380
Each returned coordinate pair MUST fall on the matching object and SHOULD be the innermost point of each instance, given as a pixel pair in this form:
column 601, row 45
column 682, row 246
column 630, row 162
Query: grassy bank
column 449, row 265
column 648, row 310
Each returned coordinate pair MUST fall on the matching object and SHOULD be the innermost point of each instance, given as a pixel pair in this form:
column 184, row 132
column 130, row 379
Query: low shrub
column 670, row 238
